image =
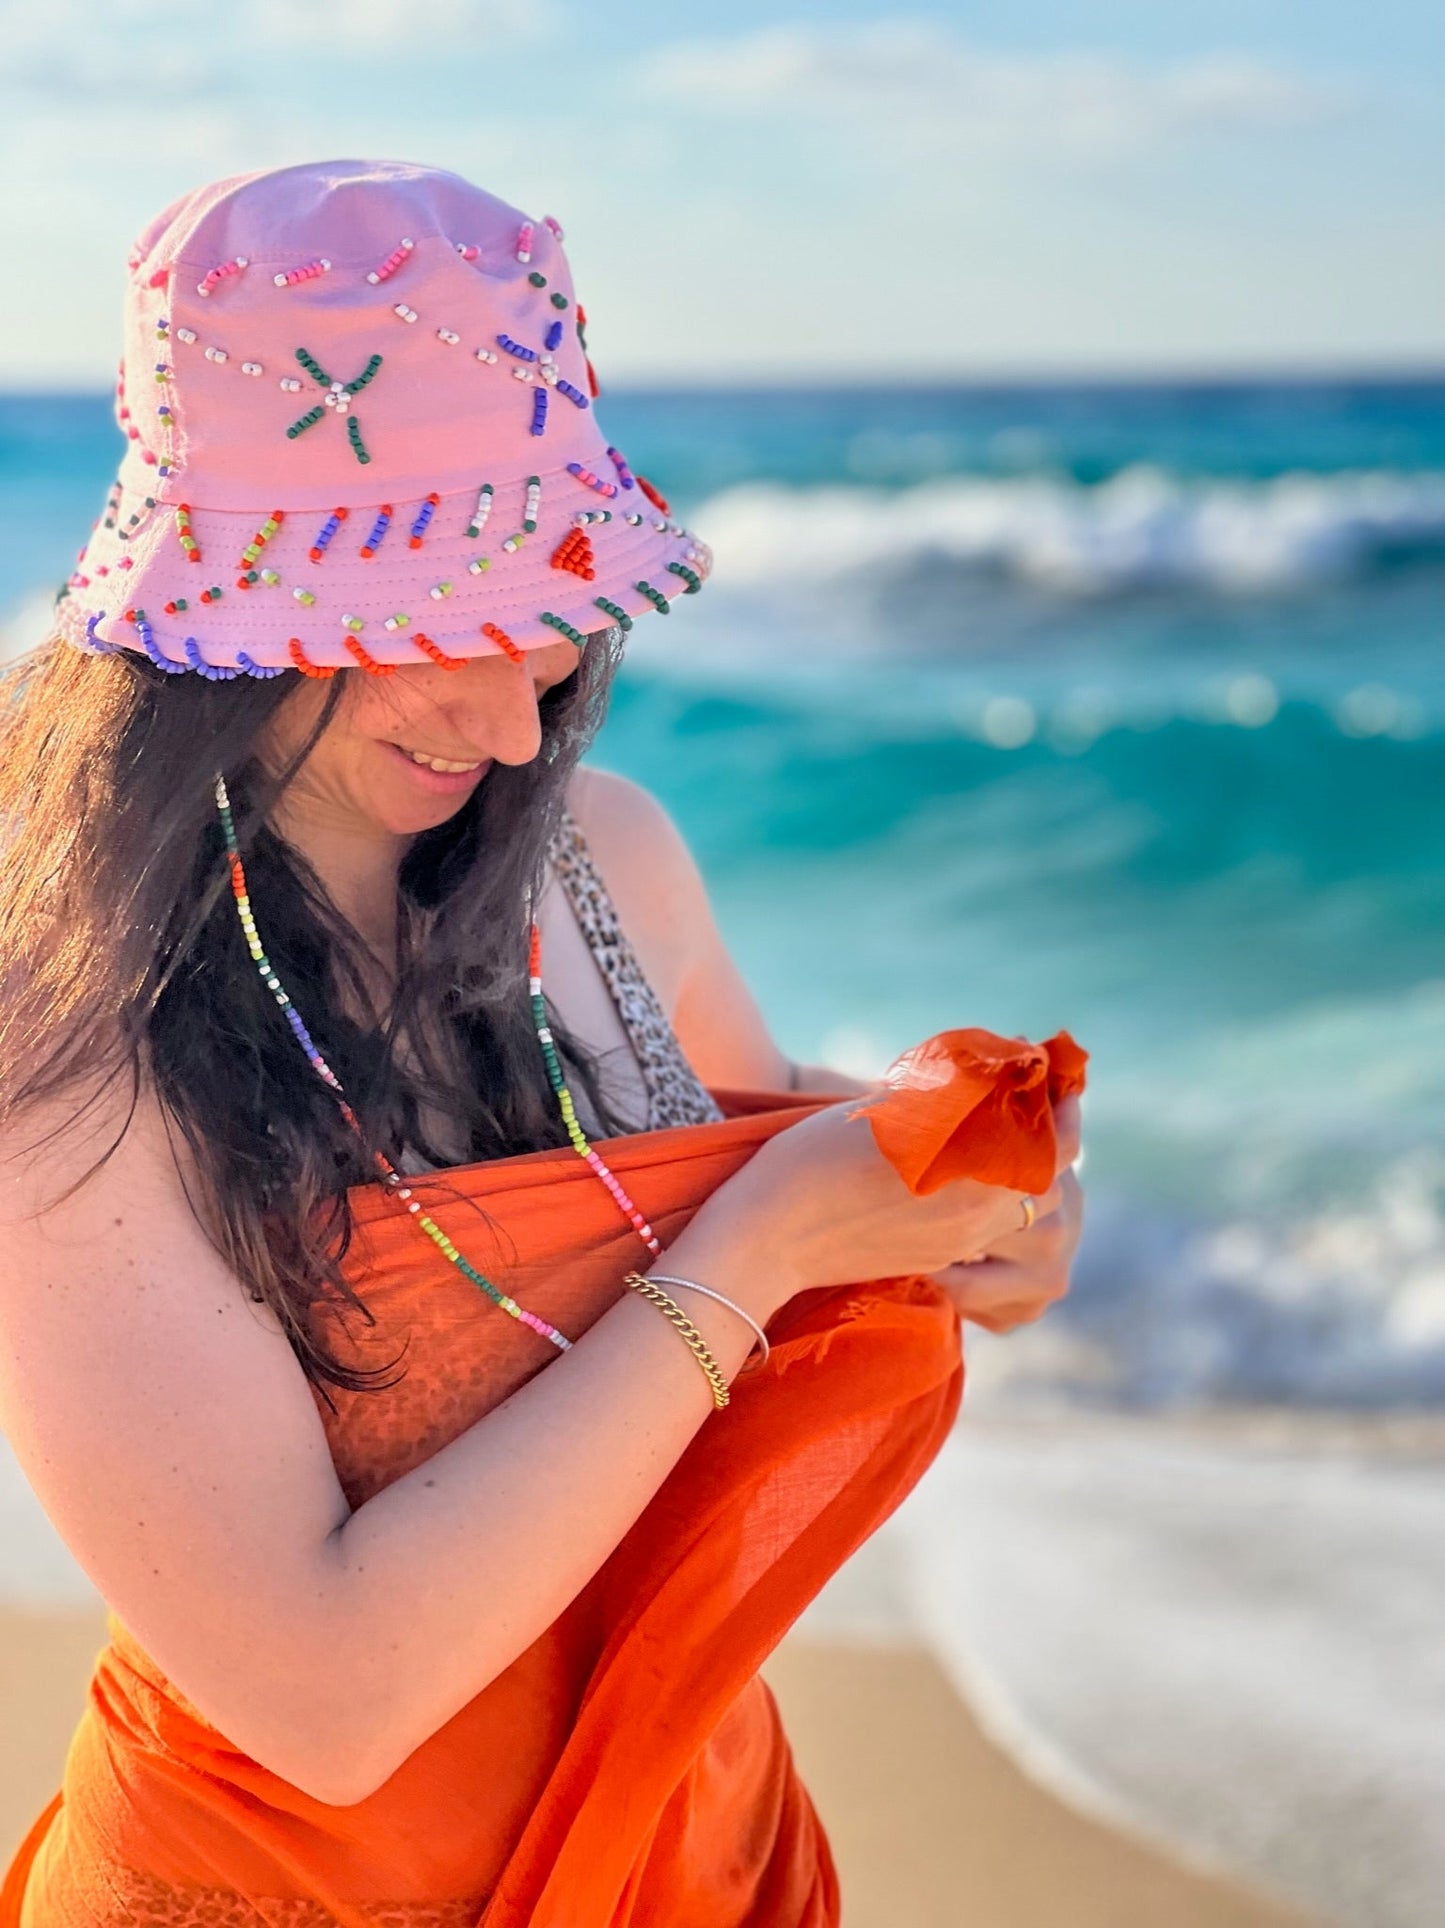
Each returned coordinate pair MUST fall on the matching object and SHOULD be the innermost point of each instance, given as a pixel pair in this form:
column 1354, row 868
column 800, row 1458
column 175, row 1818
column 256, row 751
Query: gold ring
column 1031, row 1210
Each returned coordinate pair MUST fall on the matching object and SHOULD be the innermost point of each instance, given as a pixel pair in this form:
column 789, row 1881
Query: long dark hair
column 121, row 958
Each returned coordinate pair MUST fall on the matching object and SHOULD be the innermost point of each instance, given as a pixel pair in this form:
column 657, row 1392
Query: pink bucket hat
column 360, row 432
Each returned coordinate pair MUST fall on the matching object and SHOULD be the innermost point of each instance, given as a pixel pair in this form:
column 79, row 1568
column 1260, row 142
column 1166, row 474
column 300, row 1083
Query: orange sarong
column 628, row 1770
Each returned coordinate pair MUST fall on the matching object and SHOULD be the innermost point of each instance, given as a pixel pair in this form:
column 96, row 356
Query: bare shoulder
column 650, row 873
column 663, row 905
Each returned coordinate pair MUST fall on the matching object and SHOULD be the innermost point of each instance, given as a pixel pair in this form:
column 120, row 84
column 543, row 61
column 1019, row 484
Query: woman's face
column 376, row 764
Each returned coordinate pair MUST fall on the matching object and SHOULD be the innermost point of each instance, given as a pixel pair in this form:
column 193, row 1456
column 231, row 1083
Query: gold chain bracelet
column 697, row 1345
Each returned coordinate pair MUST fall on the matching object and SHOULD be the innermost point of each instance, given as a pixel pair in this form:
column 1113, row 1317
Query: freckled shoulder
column 649, row 872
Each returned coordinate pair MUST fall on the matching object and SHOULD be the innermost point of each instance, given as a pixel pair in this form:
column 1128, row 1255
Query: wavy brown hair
column 121, row 958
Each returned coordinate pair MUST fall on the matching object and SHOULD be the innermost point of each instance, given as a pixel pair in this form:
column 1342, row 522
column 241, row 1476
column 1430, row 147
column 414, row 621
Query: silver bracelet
column 667, row 1278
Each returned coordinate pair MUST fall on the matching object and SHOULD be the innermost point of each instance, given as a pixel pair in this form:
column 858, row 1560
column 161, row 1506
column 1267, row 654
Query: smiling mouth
column 442, row 765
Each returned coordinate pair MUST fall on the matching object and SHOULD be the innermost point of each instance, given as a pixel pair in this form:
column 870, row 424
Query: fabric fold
column 629, row 1767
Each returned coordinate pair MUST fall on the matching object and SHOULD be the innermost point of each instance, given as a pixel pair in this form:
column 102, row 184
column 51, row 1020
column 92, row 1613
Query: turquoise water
column 1116, row 707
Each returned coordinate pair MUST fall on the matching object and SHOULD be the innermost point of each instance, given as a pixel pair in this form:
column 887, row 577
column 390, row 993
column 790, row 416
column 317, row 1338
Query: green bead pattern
column 572, row 635
column 689, row 576
column 655, row 597
column 618, row 615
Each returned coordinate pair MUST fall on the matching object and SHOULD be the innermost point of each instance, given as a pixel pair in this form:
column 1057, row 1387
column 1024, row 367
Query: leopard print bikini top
column 675, row 1094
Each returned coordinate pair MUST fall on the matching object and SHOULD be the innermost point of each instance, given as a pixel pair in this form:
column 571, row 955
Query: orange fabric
column 629, row 1768
column 967, row 1104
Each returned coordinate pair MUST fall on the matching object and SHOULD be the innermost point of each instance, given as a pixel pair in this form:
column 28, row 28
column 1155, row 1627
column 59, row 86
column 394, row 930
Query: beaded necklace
column 390, row 1176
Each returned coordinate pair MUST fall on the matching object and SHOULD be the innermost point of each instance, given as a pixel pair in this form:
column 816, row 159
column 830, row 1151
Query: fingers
column 1067, row 1132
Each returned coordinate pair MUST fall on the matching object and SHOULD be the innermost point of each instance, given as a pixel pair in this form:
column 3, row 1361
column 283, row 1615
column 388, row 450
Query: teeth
column 436, row 763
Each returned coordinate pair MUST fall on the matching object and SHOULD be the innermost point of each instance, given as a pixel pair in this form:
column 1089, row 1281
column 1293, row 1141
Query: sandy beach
column 932, row 1826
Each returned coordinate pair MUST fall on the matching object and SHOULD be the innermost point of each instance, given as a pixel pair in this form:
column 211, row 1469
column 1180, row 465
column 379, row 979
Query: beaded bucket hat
column 360, row 432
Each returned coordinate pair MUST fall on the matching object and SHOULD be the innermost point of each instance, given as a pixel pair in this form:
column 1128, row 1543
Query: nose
column 492, row 703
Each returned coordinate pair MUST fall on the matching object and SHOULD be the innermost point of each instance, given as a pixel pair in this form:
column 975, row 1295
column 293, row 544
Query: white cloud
column 918, row 78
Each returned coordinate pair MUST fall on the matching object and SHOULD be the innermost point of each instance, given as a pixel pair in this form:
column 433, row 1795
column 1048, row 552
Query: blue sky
column 816, row 191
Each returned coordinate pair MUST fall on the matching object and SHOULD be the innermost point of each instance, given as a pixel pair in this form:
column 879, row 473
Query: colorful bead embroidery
column 448, row 335
column 553, row 337
column 378, row 530
column 304, row 597
column 624, row 474
column 213, row 672
column 655, row 597
column 584, row 517
column 516, row 348
column 324, row 534
column 301, row 659
column 555, row 226
column 537, row 280
column 368, row 663
column 503, row 641
column 217, row 354
column 338, row 398
column 423, row 517
column 592, row 481
column 481, row 512
column 439, row 590
column 403, row 313
column 539, row 411
column 399, row 621
column 652, row 495
column 183, row 533
column 574, row 553
column 559, row 301
column 689, row 576
column 309, row 273
column 438, row 655
column 392, row 262
column 258, row 542
column 524, row 242
column 479, row 565
column 574, row 395
column 532, row 504
column 252, row 368
column 618, row 615
column 485, row 355
column 467, row 252
column 218, row 275
column 572, row 635
column 253, row 668
column 390, row 1175
column 148, row 643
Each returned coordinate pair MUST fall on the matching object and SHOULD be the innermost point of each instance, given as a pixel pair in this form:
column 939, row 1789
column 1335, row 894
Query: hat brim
column 312, row 590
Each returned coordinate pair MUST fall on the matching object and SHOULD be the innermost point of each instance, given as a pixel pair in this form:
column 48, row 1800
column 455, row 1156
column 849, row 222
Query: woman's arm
column 169, row 1433
column 663, row 905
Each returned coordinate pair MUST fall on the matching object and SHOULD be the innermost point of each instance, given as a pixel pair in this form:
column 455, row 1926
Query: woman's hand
column 819, row 1204
column 1020, row 1275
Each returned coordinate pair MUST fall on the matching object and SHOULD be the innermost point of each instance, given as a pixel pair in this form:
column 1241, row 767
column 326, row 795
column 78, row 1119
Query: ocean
column 1112, row 706
column 1121, row 708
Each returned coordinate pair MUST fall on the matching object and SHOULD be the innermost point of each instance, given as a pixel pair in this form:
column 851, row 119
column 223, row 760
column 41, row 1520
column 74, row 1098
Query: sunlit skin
column 358, row 800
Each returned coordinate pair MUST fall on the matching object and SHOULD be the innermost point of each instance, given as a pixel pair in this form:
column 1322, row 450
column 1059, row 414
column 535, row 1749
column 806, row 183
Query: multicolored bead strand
column 217, row 275
column 591, row 481
column 183, row 533
column 308, row 273
column 378, row 530
column 393, row 261
column 624, row 474
column 564, row 1099
column 481, row 512
column 327, row 530
column 423, row 517
column 253, row 548
column 391, row 1177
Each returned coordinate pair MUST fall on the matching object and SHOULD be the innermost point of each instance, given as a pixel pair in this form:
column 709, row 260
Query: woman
column 434, row 1600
